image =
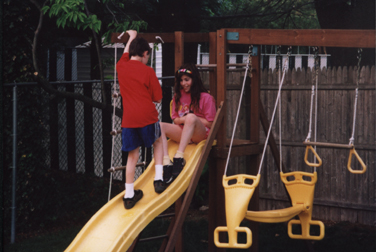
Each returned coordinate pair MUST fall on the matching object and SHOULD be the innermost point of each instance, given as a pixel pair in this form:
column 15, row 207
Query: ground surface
column 79, row 197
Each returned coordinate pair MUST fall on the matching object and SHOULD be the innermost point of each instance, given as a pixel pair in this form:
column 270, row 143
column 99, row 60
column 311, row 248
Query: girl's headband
column 183, row 70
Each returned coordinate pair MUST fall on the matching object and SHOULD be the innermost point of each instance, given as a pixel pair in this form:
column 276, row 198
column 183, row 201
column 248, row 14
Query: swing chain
column 359, row 57
column 279, row 60
column 289, row 51
column 316, row 63
column 250, row 54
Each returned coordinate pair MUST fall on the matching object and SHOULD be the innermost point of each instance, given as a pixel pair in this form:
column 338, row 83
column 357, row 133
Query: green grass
column 341, row 237
column 53, row 242
column 63, row 209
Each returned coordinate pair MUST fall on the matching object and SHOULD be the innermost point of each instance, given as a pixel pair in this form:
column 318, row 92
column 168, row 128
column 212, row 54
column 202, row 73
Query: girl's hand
column 205, row 122
column 179, row 120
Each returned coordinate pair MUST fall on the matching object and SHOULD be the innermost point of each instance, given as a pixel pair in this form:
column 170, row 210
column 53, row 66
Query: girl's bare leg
column 171, row 131
column 193, row 130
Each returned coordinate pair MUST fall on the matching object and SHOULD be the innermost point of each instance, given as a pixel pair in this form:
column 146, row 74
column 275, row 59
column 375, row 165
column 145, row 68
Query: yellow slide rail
column 113, row 228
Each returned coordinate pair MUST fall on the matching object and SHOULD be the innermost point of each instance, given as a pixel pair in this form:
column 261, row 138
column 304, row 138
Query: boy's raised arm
column 132, row 36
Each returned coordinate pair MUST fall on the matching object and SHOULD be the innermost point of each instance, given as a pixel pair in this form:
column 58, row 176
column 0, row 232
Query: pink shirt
column 207, row 106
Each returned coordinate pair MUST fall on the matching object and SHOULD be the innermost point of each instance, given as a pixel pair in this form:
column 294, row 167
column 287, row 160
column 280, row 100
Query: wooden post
column 180, row 216
column 254, row 137
column 179, row 49
column 213, row 60
column 217, row 214
column 179, row 60
column 213, row 162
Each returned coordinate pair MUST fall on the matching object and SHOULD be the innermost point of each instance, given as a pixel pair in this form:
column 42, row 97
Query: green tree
column 76, row 14
column 270, row 14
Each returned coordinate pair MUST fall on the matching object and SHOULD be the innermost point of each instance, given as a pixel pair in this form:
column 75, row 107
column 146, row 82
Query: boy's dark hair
column 138, row 46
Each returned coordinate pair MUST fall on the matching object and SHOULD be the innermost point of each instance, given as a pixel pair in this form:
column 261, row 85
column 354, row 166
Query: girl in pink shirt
column 193, row 112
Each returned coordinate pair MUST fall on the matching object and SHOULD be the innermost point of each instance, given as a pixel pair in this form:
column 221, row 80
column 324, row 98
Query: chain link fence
column 74, row 136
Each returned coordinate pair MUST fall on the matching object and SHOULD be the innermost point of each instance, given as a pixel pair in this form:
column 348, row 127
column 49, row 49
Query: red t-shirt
column 139, row 88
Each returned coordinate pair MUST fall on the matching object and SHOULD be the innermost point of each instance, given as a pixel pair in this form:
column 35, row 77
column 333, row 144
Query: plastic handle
column 364, row 167
column 309, row 147
column 240, row 181
column 233, row 243
column 305, row 226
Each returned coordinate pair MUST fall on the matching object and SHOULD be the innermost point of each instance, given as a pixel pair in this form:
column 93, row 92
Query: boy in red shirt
column 139, row 88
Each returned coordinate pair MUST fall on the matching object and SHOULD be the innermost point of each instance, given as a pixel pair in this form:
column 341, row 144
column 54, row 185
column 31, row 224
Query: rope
column 114, row 96
column 275, row 108
column 316, row 80
column 240, row 101
column 308, row 139
column 280, row 109
column 351, row 142
column 316, row 102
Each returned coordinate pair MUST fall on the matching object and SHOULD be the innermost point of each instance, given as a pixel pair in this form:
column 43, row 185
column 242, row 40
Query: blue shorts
column 133, row 138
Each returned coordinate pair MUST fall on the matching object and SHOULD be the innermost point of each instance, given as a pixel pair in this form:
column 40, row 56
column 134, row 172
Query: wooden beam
column 272, row 143
column 195, row 178
column 166, row 37
column 238, row 150
column 179, row 49
column 150, row 37
column 196, row 37
column 179, row 60
column 293, row 37
column 312, row 37
column 221, row 80
column 213, row 60
column 255, row 98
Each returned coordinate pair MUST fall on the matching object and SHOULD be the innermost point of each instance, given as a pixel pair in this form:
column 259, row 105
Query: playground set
column 232, row 198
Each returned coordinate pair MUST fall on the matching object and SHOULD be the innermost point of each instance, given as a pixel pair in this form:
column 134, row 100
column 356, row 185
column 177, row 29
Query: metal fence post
column 14, row 165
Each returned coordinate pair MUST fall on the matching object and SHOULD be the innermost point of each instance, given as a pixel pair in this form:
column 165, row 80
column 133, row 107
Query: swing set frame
column 218, row 42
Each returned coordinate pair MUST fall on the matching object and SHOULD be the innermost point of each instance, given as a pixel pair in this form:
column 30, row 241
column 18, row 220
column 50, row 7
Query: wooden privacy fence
column 339, row 195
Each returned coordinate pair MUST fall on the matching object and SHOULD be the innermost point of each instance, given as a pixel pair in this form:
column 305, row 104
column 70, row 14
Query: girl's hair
column 196, row 89
column 138, row 46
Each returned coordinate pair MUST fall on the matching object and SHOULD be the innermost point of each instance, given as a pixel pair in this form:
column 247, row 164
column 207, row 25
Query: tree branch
column 36, row 34
column 104, row 95
column 45, row 84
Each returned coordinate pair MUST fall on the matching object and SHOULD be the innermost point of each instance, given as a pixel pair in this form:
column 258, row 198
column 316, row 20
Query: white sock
column 129, row 191
column 167, row 160
column 158, row 172
column 179, row 154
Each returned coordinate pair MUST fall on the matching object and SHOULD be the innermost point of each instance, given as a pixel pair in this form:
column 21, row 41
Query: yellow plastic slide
column 113, row 228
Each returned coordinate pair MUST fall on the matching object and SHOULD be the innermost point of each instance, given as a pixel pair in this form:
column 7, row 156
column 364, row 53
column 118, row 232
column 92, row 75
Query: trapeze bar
column 112, row 169
column 330, row 145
